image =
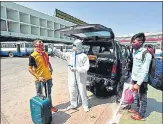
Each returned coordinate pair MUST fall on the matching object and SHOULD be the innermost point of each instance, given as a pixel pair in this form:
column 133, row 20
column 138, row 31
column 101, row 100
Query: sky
column 125, row 18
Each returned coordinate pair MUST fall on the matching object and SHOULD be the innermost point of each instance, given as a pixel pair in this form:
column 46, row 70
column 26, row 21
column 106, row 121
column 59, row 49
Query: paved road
column 17, row 88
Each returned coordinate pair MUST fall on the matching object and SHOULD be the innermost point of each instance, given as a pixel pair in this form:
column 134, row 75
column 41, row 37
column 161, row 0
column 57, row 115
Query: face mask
column 136, row 45
column 40, row 48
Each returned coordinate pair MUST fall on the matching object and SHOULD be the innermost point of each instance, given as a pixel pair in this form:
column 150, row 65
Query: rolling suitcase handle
column 46, row 90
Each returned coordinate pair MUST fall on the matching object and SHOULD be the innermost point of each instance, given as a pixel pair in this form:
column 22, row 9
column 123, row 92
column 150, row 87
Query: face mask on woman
column 136, row 44
column 39, row 47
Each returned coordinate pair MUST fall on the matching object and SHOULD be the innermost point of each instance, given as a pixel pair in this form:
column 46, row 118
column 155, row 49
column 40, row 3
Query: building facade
column 22, row 22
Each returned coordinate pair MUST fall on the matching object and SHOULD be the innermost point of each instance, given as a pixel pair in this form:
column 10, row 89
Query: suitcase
column 41, row 109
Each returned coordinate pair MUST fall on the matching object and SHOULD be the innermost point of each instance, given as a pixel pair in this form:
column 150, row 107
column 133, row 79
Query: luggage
column 155, row 71
column 92, row 57
column 156, row 74
column 129, row 96
column 40, row 107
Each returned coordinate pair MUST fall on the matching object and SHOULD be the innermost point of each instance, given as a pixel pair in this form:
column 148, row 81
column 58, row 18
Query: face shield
column 77, row 45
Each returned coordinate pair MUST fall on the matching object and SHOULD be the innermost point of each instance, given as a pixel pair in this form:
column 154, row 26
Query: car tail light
column 114, row 69
column 113, row 72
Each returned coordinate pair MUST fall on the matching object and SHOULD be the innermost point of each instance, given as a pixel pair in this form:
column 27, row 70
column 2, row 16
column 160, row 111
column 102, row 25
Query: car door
column 124, row 63
column 87, row 31
column 123, row 69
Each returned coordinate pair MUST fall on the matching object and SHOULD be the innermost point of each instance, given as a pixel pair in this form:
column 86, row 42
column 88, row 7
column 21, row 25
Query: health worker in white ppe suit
column 78, row 65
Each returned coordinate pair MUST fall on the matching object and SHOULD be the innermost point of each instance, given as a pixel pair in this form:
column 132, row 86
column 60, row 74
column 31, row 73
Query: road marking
column 116, row 116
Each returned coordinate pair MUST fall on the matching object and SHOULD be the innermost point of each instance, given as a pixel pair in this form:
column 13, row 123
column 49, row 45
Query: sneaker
column 137, row 117
column 132, row 111
column 53, row 109
column 71, row 107
column 86, row 109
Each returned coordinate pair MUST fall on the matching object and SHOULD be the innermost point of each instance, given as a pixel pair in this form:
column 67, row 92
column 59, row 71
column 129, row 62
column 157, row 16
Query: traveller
column 41, row 69
column 139, row 76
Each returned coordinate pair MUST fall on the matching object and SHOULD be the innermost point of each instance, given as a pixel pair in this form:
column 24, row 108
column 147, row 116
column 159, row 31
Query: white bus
column 69, row 48
column 64, row 47
column 16, row 48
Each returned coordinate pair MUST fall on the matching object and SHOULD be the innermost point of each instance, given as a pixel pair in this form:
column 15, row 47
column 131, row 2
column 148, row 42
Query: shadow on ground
column 153, row 105
column 60, row 117
column 93, row 101
column 63, row 106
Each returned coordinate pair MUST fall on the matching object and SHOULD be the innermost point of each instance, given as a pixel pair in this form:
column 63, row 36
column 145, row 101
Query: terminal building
column 21, row 23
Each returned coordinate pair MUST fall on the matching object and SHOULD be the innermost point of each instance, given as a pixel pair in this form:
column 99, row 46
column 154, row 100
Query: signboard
column 68, row 17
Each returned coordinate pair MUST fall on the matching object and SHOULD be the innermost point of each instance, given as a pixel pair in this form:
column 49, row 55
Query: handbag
column 129, row 96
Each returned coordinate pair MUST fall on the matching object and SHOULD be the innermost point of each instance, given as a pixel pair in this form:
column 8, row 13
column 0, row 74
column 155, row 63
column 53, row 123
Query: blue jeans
column 140, row 99
column 40, row 88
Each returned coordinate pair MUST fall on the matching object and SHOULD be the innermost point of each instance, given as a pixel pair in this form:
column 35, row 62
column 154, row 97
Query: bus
column 69, row 48
column 16, row 48
column 61, row 47
column 64, row 47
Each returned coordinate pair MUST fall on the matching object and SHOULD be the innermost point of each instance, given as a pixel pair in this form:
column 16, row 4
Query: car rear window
column 98, row 49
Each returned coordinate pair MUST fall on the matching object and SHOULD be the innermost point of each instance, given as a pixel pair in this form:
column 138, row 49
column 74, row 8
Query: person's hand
column 51, row 70
column 136, row 87
column 73, row 69
column 41, row 79
column 131, row 82
column 131, row 86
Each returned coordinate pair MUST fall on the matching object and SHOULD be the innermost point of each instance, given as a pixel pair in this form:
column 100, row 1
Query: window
column 61, row 35
column 86, row 48
column 10, row 45
column 3, row 45
column 28, row 45
column 31, row 45
column 95, row 49
column 68, row 47
column 58, row 47
column 62, row 26
column 22, row 45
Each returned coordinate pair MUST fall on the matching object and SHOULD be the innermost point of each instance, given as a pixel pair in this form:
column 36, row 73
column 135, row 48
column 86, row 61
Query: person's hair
column 141, row 36
column 36, row 41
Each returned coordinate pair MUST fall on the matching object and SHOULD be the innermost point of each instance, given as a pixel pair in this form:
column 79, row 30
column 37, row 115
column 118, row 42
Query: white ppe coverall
column 78, row 61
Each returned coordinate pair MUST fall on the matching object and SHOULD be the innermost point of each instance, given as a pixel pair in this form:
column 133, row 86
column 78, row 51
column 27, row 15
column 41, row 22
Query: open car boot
column 105, row 57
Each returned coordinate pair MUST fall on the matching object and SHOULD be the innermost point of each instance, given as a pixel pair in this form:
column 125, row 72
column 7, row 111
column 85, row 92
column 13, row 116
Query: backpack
column 155, row 70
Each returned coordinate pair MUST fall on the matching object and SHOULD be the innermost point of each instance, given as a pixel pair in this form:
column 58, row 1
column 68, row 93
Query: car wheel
column 11, row 54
